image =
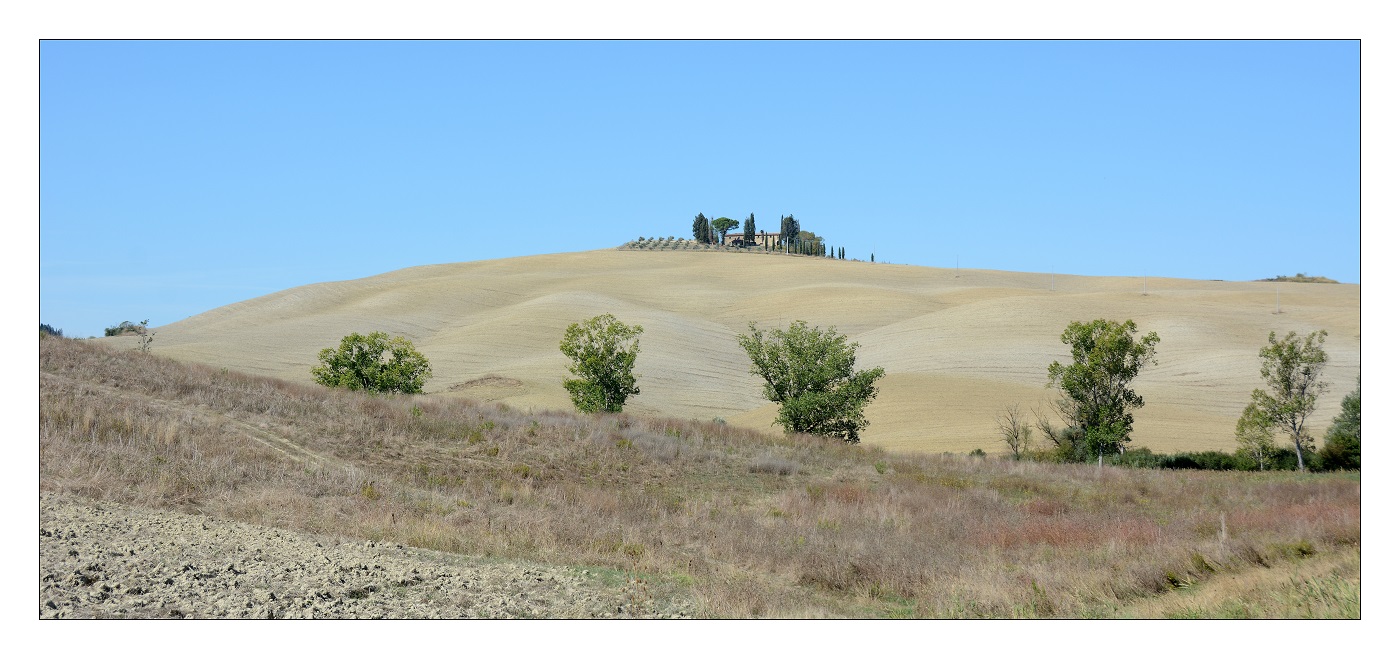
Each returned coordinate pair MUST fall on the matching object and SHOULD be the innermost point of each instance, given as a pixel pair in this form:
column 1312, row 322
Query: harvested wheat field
column 958, row 346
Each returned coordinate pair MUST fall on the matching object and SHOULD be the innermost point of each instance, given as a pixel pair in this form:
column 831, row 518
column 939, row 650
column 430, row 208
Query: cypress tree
column 701, row 229
column 750, row 229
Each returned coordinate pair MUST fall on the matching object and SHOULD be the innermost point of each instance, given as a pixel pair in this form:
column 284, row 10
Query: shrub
column 123, row 328
column 47, row 330
column 1341, row 452
column 1139, row 458
column 374, row 363
column 1208, row 460
column 144, row 337
column 1342, row 447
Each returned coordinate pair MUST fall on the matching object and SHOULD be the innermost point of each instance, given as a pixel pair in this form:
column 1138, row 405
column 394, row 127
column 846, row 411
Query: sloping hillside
column 958, row 345
column 569, row 515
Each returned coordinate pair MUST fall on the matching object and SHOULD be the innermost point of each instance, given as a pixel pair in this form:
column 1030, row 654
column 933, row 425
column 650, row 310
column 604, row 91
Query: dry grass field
column 723, row 521
column 957, row 345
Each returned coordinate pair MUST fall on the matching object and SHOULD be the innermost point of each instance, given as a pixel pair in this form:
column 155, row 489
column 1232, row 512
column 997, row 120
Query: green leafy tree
column 701, row 228
column 811, row 375
column 723, row 226
column 811, row 244
column 1097, row 403
column 1291, row 369
column 750, row 231
column 1342, row 447
column 374, row 363
column 1255, row 435
column 603, row 351
column 788, row 231
column 122, row 329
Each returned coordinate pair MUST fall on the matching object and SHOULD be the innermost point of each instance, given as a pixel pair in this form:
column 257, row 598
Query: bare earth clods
column 106, row 560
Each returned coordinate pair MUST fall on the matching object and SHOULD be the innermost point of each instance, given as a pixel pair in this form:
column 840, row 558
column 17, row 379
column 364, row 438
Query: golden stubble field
column 957, row 346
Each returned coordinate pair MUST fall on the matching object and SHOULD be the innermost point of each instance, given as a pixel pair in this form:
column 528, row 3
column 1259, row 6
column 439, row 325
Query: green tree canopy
column 788, row 229
column 1342, row 448
column 1096, row 402
column 1255, row 435
column 603, row 351
column 1291, row 369
column 374, row 363
column 723, row 226
column 811, row 374
column 701, row 228
column 123, row 328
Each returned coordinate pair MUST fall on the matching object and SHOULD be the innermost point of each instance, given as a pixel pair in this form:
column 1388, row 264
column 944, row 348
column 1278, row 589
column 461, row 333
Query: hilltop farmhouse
column 762, row 238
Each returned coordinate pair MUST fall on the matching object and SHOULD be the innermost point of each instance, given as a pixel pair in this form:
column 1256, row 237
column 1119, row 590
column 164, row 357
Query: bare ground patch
column 491, row 381
column 107, row 560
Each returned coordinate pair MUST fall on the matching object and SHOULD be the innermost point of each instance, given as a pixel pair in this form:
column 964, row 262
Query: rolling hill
column 958, row 346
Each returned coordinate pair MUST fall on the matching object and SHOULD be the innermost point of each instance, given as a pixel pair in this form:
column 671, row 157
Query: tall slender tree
column 701, row 229
column 1292, row 369
column 750, row 229
column 791, row 227
column 1097, row 404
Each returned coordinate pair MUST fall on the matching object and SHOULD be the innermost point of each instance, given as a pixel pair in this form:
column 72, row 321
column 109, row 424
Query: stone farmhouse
column 760, row 238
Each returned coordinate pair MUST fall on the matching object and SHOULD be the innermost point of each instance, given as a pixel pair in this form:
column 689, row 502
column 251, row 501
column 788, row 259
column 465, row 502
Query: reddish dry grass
column 943, row 536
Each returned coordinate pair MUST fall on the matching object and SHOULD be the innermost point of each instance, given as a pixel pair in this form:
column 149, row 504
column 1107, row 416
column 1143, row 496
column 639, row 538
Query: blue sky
column 176, row 177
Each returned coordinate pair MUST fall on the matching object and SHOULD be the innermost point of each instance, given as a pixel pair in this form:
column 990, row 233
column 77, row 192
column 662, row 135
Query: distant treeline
column 1303, row 278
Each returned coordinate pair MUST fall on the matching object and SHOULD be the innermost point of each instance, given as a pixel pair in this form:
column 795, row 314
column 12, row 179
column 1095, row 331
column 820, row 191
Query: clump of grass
column 768, row 464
